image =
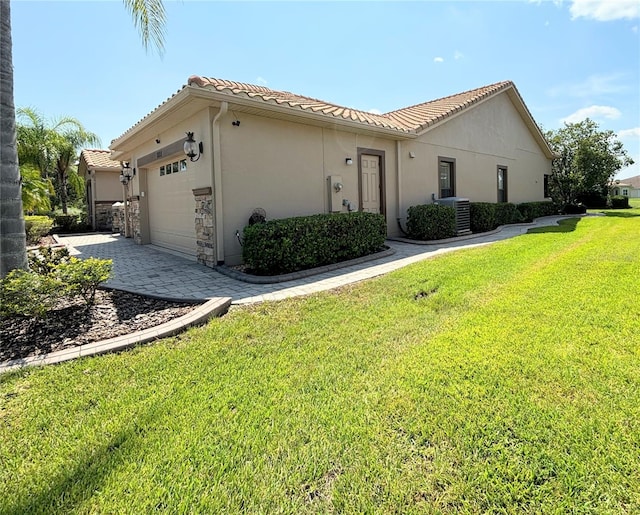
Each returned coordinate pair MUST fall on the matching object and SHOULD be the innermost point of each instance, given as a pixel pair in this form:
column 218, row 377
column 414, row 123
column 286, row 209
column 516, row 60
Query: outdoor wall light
column 126, row 173
column 191, row 148
column 348, row 161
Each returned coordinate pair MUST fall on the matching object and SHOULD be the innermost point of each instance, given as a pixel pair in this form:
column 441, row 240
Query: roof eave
column 296, row 113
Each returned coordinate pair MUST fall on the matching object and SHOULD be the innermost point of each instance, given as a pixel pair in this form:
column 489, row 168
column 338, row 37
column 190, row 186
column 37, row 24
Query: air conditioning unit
column 463, row 212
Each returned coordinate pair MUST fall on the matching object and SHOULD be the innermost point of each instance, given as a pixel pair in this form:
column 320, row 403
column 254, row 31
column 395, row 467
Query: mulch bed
column 114, row 313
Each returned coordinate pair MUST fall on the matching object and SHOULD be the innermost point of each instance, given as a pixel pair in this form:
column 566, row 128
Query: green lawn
column 502, row 379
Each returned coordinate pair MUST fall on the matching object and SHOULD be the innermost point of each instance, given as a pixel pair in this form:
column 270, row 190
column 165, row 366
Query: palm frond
column 150, row 20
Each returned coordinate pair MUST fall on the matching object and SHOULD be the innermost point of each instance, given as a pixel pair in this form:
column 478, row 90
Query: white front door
column 370, row 183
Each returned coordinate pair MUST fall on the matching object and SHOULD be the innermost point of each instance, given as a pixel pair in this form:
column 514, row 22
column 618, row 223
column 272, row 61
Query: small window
column 168, row 169
column 447, row 177
column 502, row 184
column 625, row 192
column 175, row 167
column 183, row 165
column 161, row 171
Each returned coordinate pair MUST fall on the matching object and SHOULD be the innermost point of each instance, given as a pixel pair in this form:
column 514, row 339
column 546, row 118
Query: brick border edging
column 214, row 307
column 273, row 279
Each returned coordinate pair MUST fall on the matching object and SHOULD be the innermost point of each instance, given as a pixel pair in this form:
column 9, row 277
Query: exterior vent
column 463, row 213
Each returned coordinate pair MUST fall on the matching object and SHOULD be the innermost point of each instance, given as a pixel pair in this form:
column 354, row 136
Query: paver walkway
column 149, row 270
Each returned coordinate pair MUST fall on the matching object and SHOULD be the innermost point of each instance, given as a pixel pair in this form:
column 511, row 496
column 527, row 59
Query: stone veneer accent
column 205, row 250
column 117, row 218
column 104, row 215
column 134, row 219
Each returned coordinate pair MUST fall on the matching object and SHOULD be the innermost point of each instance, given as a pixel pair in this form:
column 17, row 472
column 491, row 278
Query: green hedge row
column 431, row 222
column 486, row 216
column 292, row 244
column 532, row 210
column 620, row 202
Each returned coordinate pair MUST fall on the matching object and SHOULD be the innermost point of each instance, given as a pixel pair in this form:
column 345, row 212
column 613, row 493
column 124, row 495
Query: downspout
column 399, row 184
column 216, row 181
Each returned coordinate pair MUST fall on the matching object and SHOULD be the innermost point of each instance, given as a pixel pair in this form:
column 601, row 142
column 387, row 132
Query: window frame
column 505, row 183
column 452, row 176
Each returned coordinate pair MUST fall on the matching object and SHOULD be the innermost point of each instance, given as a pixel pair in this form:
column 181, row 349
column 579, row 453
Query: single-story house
column 629, row 187
column 101, row 175
column 290, row 155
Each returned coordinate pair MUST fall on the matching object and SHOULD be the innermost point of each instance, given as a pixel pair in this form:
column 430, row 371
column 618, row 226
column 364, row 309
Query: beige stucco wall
column 283, row 167
column 107, row 186
column 484, row 137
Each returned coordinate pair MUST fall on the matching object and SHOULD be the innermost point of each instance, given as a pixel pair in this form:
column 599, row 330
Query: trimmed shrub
column 292, row 244
column 574, row 209
column 506, row 213
column 27, row 293
column 431, row 222
column 483, row 216
column 44, row 260
column 620, row 202
column 81, row 277
column 593, row 200
column 53, row 276
column 36, row 227
column 66, row 222
column 532, row 210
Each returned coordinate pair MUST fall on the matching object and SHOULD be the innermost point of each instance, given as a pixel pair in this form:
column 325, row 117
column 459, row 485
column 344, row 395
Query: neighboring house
column 103, row 188
column 629, row 187
column 292, row 155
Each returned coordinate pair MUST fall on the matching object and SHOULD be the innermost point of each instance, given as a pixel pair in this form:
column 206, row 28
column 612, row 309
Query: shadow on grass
column 567, row 225
column 86, row 474
column 627, row 213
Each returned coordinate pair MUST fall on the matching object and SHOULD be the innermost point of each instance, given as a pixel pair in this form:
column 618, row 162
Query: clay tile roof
column 423, row 115
column 634, row 181
column 294, row 101
column 99, row 159
column 408, row 119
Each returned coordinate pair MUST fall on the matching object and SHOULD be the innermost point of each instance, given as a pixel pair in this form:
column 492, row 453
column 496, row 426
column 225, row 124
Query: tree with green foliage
column 149, row 19
column 587, row 161
column 36, row 191
column 52, row 147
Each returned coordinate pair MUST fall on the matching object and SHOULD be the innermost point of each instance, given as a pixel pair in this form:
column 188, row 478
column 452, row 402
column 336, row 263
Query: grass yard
column 501, row 379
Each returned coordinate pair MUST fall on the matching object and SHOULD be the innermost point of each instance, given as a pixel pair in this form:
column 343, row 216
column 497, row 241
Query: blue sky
column 569, row 59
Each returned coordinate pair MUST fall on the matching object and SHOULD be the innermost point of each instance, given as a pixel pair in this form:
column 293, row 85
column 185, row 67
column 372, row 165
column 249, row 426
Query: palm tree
column 149, row 18
column 13, row 242
column 52, row 147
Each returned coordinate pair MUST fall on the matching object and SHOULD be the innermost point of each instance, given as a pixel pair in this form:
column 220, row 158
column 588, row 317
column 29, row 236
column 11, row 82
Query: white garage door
column 171, row 207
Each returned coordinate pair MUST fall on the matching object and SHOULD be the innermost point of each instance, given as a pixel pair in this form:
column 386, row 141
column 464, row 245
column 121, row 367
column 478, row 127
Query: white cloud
column 605, row 10
column 592, row 86
column 374, row 111
column 557, row 3
column 262, row 81
column 438, row 60
column 593, row 112
column 457, row 55
column 629, row 133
